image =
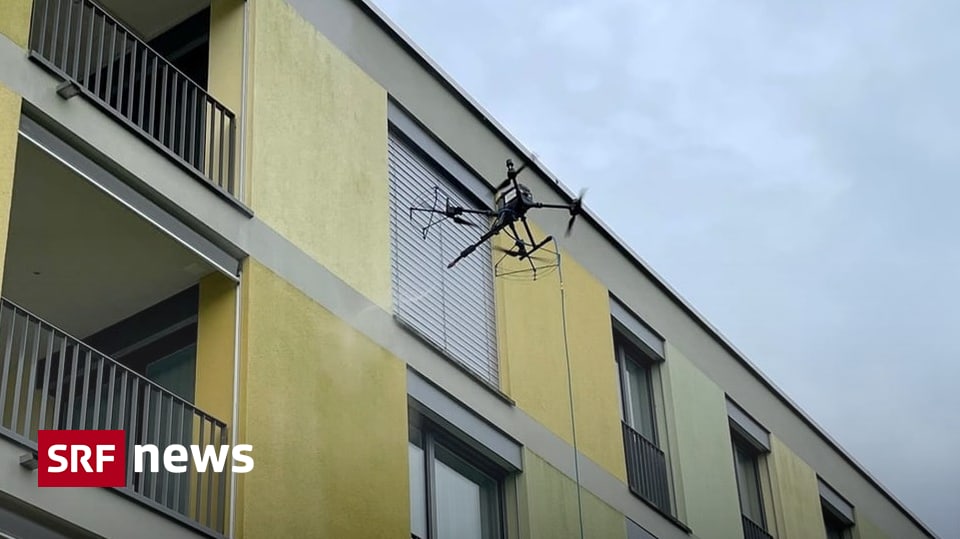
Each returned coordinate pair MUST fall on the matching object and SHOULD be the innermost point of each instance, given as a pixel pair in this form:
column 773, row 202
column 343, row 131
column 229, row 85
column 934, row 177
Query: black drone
column 512, row 203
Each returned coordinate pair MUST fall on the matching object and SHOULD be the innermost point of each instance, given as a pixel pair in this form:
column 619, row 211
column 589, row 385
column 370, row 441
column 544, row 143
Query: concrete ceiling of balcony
column 78, row 258
column 151, row 18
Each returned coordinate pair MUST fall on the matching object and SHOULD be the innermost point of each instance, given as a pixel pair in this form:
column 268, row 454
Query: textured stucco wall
column 216, row 322
column 549, row 503
column 796, row 495
column 318, row 146
column 15, row 20
column 532, row 353
column 9, row 123
column 326, row 412
column 709, row 486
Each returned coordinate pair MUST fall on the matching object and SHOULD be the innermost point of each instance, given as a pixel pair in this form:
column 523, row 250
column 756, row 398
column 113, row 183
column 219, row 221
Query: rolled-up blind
column 452, row 308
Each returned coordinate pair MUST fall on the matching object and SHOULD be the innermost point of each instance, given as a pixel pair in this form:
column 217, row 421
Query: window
column 452, row 308
column 452, row 495
column 751, row 442
column 838, row 518
column 637, row 390
column 835, row 528
column 747, row 468
column 647, row 474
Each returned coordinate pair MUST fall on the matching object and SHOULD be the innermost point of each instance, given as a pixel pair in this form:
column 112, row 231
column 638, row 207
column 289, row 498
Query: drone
column 513, row 201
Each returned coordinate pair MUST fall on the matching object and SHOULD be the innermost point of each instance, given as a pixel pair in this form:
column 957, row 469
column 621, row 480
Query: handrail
column 52, row 380
column 107, row 63
column 752, row 530
column 646, row 469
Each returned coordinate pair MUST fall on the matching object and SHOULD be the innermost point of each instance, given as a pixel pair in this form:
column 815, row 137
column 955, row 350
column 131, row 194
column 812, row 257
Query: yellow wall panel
column 531, row 336
column 319, row 150
column 15, row 20
column 9, row 124
column 549, row 506
column 216, row 322
column 326, row 412
column 795, row 492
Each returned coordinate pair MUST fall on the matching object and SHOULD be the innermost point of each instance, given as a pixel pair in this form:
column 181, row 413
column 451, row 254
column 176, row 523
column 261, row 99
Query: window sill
column 445, row 355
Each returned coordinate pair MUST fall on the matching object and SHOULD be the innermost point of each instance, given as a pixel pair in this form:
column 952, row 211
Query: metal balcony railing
column 50, row 380
column 646, row 469
column 752, row 530
column 106, row 62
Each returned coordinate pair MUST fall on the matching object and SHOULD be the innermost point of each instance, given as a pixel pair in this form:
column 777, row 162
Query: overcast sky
column 792, row 168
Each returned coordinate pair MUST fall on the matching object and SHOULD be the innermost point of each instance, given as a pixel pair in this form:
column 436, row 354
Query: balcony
column 101, row 322
column 646, row 470
column 51, row 380
column 752, row 530
column 121, row 72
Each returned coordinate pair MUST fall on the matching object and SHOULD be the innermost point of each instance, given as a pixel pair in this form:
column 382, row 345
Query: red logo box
column 81, row 458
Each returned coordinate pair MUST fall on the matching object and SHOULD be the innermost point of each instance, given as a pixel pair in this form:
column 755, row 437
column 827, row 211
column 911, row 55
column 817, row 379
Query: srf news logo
column 98, row 458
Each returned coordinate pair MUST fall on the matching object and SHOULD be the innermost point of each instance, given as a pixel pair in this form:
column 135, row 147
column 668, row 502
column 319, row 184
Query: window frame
column 432, row 440
column 460, row 182
column 626, row 351
column 741, row 446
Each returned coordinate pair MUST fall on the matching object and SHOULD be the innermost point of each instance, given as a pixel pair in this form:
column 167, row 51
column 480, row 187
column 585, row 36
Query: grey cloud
column 793, row 170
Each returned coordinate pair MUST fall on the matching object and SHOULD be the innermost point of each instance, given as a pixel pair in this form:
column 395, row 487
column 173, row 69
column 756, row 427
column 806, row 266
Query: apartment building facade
column 205, row 237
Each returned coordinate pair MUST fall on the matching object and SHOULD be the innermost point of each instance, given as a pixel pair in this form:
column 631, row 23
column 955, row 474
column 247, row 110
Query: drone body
column 512, row 204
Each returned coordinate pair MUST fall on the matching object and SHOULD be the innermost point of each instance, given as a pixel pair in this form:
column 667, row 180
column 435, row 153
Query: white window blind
column 452, row 308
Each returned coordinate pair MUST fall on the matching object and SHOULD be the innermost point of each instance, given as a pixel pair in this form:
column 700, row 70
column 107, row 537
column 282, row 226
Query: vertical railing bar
column 54, row 35
column 91, row 31
column 174, row 88
column 42, row 45
column 211, row 475
column 202, row 136
column 157, row 419
column 220, row 171
column 178, row 480
column 145, row 432
column 170, row 441
column 66, row 38
column 31, row 388
column 79, row 42
column 135, row 382
column 58, row 400
column 73, row 384
column 108, row 97
column 199, row 474
column 98, row 393
column 163, row 106
column 183, row 119
column 6, row 361
column 153, row 92
column 122, row 406
column 18, row 382
column 51, row 338
column 211, row 122
column 120, row 71
column 131, row 78
column 110, row 389
column 221, row 499
column 143, row 86
column 85, row 391
column 232, row 156
column 103, row 36
column 192, row 148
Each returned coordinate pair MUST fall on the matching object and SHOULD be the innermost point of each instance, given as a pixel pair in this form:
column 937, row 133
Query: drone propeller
column 511, row 175
column 576, row 208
